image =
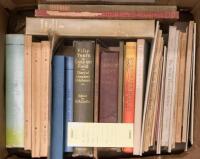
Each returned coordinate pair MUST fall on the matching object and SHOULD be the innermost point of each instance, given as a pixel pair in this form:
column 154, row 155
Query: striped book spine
column 14, row 91
column 57, row 127
column 69, row 80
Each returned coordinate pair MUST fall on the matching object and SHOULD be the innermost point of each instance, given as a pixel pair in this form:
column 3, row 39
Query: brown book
column 36, row 98
column 106, row 8
column 45, row 93
column 97, row 27
column 109, row 68
column 84, row 87
column 27, row 92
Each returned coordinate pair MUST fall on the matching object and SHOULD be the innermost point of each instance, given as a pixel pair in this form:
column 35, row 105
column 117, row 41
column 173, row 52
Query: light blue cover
column 69, row 67
column 57, row 127
column 15, row 90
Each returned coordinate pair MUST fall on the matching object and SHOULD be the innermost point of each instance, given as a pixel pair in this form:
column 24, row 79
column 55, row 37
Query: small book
column 14, row 91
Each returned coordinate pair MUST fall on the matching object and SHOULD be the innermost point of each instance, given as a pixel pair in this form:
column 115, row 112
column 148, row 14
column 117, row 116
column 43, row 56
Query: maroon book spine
column 109, row 15
column 109, row 67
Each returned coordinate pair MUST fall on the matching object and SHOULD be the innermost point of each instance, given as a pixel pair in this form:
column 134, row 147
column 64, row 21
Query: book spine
column 129, row 86
column 45, row 93
column 120, row 81
column 14, row 91
column 57, row 125
column 69, row 80
column 98, row 28
column 83, row 87
column 36, row 98
column 109, row 14
column 27, row 92
column 109, row 68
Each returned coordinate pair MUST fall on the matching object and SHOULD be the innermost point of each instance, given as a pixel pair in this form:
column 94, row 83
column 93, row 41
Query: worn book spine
column 106, row 8
column 109, row 68
column 57, row 119
column 84, row 87
column 69, row 80
column 46, row 98
column 36, row 98
column 109, row 15
column 97, row 27
column 129, row 85
column 27, row 91
column 140, row 89
column 14, row 91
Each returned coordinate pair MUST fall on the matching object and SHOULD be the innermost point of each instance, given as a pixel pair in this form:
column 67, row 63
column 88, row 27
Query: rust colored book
column 109, row 87
column 109, row 15
column 129, row 85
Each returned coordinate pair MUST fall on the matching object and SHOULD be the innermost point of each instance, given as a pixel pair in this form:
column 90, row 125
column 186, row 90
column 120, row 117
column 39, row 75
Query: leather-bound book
column 84, row 87
column 109, row 87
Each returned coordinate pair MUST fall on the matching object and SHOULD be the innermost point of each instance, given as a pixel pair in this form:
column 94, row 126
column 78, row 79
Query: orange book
column 129, row 85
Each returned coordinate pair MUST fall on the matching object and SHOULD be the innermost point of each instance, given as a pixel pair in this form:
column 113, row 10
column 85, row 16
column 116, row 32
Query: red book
column 174, row 15
column 129, row 86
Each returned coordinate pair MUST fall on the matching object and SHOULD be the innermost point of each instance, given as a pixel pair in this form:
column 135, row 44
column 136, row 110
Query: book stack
column 112, row 80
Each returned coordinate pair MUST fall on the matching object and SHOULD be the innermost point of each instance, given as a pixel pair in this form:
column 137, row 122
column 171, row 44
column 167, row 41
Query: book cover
column 84, row 87
column 27, row 91
column 69, row 84
column 168, row 15
column 36, row 62
column 109, row 70
column 129, row 85
column 58, row 100
column 14, row 91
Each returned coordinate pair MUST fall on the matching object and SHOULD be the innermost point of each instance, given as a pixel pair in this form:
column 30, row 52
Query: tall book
column 140, row 89
column 46, row 96
column 27, row 91
column 14, row 91
column 129, row 85
column 58, row 100
column 36, row 98
column 69, row 80
column 109, row 67
column 84, row 87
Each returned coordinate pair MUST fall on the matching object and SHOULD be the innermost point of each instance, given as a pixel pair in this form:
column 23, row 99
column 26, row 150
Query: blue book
column 58, row 100
column 15, row 91
column 69, row 78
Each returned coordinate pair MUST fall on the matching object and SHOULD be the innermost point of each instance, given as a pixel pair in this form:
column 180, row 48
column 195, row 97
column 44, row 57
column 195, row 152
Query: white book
column 140, row 87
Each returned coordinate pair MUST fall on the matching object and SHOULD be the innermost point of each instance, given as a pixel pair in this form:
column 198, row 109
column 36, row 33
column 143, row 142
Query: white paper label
column 100, row 134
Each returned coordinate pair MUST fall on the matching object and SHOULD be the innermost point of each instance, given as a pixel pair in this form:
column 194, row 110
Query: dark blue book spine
column 69, row 78
column 57, row 128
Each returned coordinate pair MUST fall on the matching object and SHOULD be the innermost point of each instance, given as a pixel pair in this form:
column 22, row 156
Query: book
column 96, row 1
column 105, row 8
column 36, row 63
column 129, row 85
column 141, row 66
column 69, row 80
column 98, row 28
column 132, row 15
column 58, row 100
column 84, row 87
column 108, row 102
column 27, row 92
column 14, row 90
column 46, row 97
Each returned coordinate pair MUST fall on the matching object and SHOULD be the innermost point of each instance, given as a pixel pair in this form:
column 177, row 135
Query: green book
column 14, row 91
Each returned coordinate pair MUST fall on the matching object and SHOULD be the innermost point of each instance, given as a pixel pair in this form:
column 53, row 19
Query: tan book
column 27, row 92
column 97, row 28
column 45, row 94
column 181, row 86
column 36, row 98
column 152, row 56
column 187, row 80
